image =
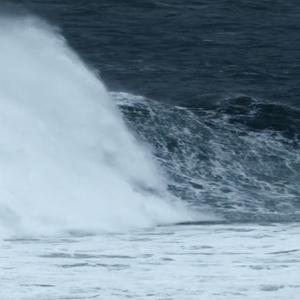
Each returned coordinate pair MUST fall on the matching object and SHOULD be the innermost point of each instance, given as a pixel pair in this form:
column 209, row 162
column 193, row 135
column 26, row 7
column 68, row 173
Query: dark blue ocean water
column 188, row 52
column 219, row 87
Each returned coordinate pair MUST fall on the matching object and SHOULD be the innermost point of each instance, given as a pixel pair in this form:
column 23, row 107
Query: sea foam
column 67, row 160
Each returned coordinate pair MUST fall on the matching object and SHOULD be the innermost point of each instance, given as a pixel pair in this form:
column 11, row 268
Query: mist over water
column 67, row 161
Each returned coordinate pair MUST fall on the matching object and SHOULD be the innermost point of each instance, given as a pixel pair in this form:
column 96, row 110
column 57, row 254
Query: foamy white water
column 217, row 262
column 67, row 161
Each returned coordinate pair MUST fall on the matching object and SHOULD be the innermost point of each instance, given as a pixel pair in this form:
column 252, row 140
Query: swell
column 239, row 156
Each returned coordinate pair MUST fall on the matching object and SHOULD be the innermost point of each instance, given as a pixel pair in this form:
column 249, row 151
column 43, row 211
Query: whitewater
column 67, row 160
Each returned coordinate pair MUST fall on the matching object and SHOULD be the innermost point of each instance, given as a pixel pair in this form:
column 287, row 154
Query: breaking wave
column 67, row 160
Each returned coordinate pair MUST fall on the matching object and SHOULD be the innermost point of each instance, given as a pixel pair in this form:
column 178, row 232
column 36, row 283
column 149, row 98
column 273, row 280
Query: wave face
column 239, row 156
column 67, row 160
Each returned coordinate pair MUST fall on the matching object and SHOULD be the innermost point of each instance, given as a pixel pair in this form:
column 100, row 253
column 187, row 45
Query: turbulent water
column 230, row 156
column 181, row 181
column 67, row 160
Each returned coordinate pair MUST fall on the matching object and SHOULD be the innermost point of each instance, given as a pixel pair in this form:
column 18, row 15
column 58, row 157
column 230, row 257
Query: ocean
column 149, row 149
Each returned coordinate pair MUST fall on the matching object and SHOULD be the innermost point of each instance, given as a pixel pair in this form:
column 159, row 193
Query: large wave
column 67, row 161
column 240, row 156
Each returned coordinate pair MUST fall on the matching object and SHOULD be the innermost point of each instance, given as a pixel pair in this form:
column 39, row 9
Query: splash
column 67, row 161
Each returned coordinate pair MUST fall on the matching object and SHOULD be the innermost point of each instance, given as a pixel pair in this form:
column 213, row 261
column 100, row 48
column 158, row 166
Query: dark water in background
column 187, row 51
column 223, row 76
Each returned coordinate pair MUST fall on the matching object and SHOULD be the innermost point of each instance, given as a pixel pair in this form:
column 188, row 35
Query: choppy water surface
column 176, row 262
